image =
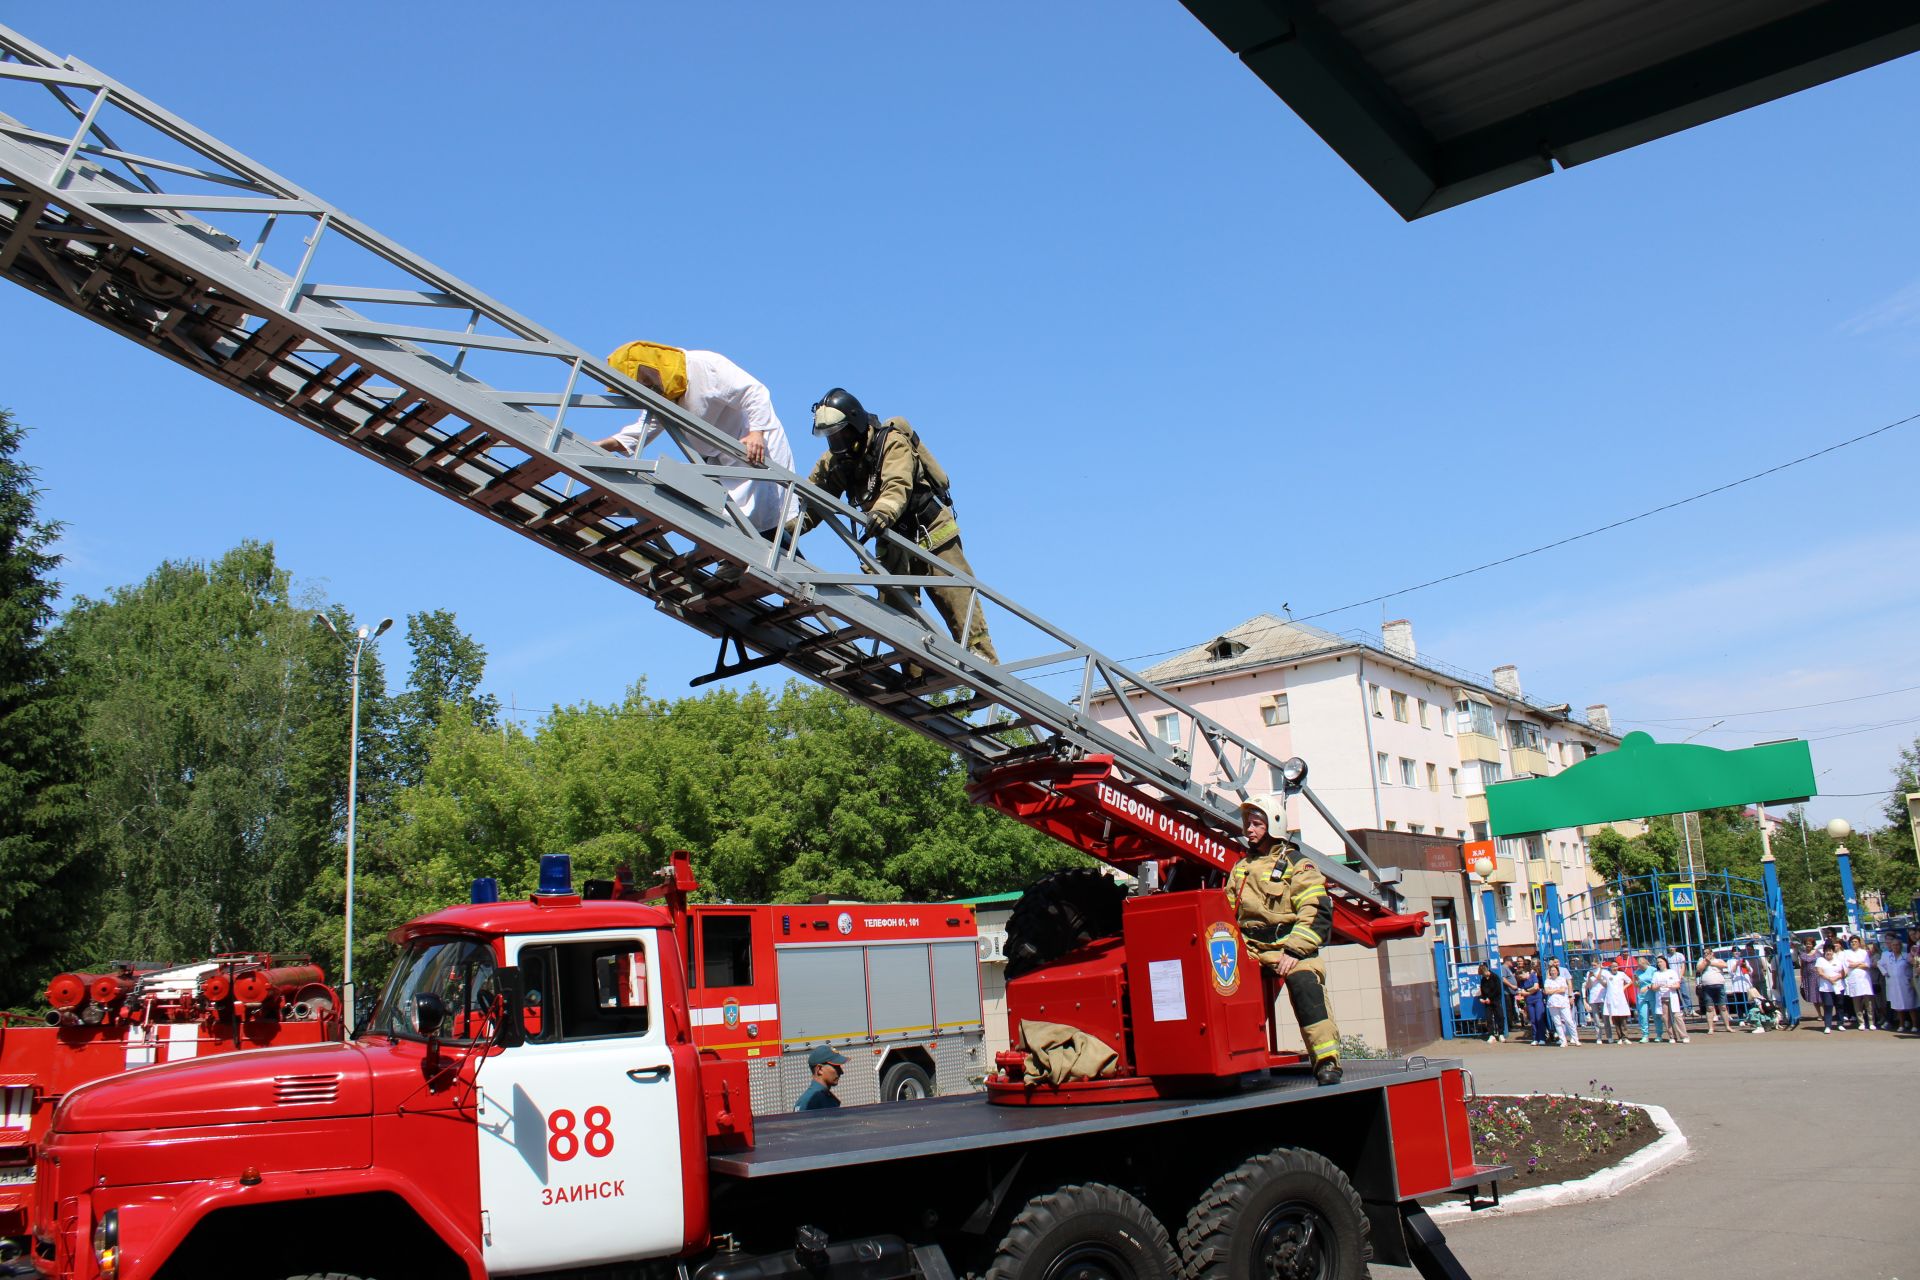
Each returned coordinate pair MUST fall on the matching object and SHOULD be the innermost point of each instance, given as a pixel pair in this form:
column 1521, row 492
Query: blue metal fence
column 1715, row 914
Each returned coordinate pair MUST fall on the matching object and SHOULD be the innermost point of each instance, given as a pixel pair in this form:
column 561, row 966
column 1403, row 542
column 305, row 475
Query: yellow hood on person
column 669, row 363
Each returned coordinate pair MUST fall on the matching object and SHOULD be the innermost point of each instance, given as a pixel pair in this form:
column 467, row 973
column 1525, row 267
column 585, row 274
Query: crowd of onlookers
column 1854, row 986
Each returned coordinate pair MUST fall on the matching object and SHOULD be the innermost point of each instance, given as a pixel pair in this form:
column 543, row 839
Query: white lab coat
column 1859, row 981
column 733, row 401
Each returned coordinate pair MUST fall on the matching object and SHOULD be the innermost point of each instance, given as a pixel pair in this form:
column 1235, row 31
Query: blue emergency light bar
column 485, row 889
column 556, row 875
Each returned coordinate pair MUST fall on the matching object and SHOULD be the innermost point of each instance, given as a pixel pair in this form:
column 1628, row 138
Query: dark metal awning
column 1437, row 102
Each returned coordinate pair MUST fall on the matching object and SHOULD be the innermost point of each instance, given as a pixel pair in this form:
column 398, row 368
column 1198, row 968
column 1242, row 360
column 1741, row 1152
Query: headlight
column 106, row 1243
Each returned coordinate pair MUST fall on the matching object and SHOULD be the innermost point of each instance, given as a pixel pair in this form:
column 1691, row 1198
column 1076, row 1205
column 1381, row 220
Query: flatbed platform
column 797, row 1142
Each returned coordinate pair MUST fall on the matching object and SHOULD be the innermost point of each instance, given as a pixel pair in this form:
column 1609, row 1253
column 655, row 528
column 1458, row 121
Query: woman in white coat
column 1666, row 1001
column 1619, row 1008
column 1558, row 986
column 1859, row 980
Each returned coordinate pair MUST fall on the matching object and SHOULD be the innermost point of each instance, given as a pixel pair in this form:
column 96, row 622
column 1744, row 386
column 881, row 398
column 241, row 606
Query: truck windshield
column 459, row 972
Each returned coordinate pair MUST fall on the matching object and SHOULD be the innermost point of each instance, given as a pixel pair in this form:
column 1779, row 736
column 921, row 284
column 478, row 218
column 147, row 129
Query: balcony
column 1530, row 762
column 1477, row 808
column 1478, row 746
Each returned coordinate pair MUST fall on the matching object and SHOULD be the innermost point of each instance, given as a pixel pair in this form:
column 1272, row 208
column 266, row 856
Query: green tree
column 46, row 881
column 217, row 726
column 448, row 666
column 779, row 799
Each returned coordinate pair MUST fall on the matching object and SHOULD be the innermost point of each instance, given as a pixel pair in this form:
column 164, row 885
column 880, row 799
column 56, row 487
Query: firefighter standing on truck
column 885, row 470
column 1280, row 901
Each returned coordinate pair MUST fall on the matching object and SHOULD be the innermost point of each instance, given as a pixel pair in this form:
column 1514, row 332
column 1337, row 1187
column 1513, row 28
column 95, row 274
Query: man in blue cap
column 826, row 1064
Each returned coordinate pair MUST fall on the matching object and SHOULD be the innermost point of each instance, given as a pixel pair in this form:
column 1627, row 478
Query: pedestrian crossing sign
column 1682, row 897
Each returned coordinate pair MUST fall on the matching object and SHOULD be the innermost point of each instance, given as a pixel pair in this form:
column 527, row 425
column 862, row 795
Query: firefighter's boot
column 1327, row 1071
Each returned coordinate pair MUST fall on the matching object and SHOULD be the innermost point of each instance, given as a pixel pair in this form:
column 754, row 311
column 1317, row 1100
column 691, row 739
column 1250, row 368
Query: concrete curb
column 1668, row 1149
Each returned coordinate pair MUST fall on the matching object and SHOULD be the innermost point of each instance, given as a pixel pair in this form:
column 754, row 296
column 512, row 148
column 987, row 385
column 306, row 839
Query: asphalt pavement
column 1805, row 1161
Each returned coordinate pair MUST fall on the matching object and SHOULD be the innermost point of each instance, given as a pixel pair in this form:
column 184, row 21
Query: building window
column 1490, row 773
column 1479, row 831
column 1506, row 902
column 1400, row 707
column 1380, row 766
column 1373, row 699
column 1274, row 711
column 1446, row 722
column 1453, row 781
column 1523, row 735
column 1423, row 714
column 1167, row 727
column 1476, row 717
column 1418, row 828
column 1408, row 778
column 1433, row 777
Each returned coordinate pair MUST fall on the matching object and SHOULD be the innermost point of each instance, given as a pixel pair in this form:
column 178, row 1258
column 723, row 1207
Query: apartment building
column 1402, row 749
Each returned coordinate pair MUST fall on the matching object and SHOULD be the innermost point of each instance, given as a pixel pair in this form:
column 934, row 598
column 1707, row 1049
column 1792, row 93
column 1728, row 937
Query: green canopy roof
column 1644, row 778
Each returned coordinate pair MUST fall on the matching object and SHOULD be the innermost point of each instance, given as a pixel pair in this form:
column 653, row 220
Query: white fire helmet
column 1271, row 807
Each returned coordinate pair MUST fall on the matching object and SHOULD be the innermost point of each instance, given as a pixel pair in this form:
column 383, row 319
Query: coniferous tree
column 45, row 881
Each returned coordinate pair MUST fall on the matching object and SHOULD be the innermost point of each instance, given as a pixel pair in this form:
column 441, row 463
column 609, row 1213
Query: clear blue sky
column 1183, row 364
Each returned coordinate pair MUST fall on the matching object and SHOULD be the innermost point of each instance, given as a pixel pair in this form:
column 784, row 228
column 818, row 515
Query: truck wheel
column 1286, row 1215
column 904, row 1081
column 1060, row 911
column 1087, row 1232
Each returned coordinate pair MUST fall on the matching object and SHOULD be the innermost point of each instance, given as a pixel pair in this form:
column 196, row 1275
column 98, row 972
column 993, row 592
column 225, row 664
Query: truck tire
column 904, row 1081
column 1060, row 911
column 1286, row 1215
column 1086, row 1232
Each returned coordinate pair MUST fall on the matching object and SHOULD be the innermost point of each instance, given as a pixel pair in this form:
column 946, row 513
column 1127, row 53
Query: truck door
column 579, row 1131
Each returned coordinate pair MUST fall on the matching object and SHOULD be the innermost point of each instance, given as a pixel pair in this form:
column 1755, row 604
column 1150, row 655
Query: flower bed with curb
column 1566, row 1148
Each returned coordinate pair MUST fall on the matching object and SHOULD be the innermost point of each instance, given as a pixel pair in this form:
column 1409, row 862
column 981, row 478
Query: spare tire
column 1063, row 910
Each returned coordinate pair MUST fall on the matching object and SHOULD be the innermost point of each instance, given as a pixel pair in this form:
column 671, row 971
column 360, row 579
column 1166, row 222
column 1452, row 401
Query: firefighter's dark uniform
column 1282, row 907
column 895, row 479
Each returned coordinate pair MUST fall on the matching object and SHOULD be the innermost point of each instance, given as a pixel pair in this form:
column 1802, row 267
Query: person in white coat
column 1859, row 980
column 1558, row 986
column 1619, row 1008
column 1667, row 1003
column 1898, row 968
column 726, row 397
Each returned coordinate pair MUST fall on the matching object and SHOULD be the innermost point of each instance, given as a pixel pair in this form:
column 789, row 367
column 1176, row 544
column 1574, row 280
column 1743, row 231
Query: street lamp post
column 1839, row 829
column 363, row 635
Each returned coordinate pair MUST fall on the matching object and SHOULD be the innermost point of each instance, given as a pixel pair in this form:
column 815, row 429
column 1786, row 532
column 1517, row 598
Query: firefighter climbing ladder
column 118, row 210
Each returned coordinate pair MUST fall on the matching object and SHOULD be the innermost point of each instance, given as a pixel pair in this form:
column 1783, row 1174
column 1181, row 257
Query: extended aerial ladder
column 118, row 210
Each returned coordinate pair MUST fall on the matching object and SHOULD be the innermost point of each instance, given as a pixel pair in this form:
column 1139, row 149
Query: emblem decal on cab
column 1223, row 958
column 730, row 1013
column 845, row 922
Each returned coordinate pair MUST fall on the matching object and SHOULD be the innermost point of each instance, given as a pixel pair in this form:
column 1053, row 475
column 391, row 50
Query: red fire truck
column 896, row 987
column 530, row 1097
column 101, row 1024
